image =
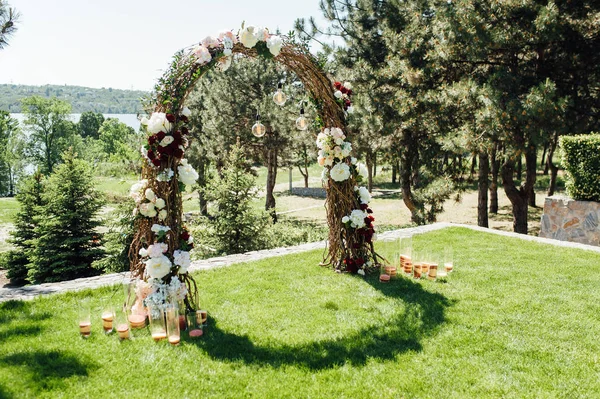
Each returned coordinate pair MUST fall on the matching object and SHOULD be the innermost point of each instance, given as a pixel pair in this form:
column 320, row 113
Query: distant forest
column 106, row 101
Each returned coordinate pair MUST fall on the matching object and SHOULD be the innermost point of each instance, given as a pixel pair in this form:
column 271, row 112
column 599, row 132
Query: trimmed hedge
column 581, row 160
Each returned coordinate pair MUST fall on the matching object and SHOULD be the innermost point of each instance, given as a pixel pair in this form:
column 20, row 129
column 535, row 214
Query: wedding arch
column 160, row 251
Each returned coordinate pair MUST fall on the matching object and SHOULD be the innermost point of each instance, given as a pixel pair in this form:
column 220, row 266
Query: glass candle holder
column 194, row 324
column 173, row 331
column 137, row 316
column 384, row 277
column 417, row 265
column 433, row 266
column 158, row 324
column 182, row 316
column 108, row 316
column 203, row 316
column 449, row 259
column 84, row 319
column 122, row 325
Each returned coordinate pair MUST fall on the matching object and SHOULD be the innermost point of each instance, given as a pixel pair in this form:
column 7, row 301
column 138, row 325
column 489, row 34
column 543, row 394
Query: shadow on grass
column 46, row 369
column 423, row 312
column 16, row 320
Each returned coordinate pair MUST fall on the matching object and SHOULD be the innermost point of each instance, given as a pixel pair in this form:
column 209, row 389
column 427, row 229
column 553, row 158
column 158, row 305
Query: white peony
column 345, row 219
column 144, row 121
column 274, row 44
column 350, row 109
column 166, row 141
column 202, row 54
column 338, row 94
column 157, row 250
column 336, row 132
column 162, row 215
column 143, row 252
column 347, row 85
column 186, row 112
column 328, row 161
column 227, row 36
column 187, row 174
column 149, row 194
column 224, row 63
column 365, row 195
column 346, row 149
column 147, row 209
column 156, row 228
column 361, row 272
column 158, row 123
column 357, row 218
column 339, row 141
column 182, row 259
column 353, row 160
column 136, row 190
column 362, row 170
column 158, row 267
column 210, row 42
column 321, row 140
column 340, row 172
column 249, row 36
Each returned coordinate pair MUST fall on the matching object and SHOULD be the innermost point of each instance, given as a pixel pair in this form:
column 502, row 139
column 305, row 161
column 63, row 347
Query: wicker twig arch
column 350, row 246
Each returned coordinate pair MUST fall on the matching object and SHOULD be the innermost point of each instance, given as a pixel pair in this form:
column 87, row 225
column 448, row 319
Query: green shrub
column 581, row 160
column 117, row 239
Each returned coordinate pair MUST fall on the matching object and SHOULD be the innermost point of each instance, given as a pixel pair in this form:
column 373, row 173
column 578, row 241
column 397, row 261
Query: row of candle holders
column 166, row 324
column 418, row 264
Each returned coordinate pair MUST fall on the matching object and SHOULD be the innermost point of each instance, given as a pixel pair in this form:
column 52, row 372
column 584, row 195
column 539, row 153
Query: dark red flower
column 349, row 92
column 151, row 154
column 368, row 221
column 364, row 207
column 178, row 153
column 343, row 90
column 371, row 217
column 184, row 130
column 351, row 265
column 160, row 135
column 360, row 262
column 184, row 236
column 347, row 102
column 171, row 118
column 369, row 210
column 177, row 138
column 156, row 162
column 184, row 118
column 152, row 140
column 337, row 85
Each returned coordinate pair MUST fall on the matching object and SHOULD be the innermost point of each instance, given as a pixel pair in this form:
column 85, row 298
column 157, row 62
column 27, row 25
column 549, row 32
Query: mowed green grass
column 515, row 320
column 8, row 209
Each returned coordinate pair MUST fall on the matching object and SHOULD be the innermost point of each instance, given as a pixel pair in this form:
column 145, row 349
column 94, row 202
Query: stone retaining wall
column 568, row 220
column 316, row 192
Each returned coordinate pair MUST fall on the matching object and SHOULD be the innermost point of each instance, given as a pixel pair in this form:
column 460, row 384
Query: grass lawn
column 516, row 320
column 8, row 210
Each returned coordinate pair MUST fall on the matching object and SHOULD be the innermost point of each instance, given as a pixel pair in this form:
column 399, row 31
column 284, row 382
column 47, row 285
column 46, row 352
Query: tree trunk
column 495, row 161
column 519, row 196
column 473, row 166
column 482, row 204
column 394, row 172
column 374, row 166
column 369, row 160
column 271, row 179
column 406, row 161
column 520, row 168
column 531, row 194
column 550, row 165
column 202, row 181
column 11, row 182
column 543, row 160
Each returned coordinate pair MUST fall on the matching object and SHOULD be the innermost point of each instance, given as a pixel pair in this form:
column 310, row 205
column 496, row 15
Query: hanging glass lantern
column 258, row 129
column 279, row 97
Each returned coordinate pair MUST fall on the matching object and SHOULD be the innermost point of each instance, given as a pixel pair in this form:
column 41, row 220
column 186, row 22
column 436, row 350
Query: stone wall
column 568, row 220
column 316, row 192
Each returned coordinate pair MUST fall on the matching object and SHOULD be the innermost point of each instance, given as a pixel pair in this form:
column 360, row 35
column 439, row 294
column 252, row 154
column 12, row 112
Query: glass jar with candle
column 173, row 331
column 84, row 318
column 406, row 255
column 194, row 324
column 433, row 266
column 449, row 259
column 122, row 325
column 108, row 316
column 158, row 324
column 417, row 264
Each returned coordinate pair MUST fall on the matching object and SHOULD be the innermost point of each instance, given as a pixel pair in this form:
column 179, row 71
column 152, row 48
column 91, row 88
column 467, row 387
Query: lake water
column 128, row 119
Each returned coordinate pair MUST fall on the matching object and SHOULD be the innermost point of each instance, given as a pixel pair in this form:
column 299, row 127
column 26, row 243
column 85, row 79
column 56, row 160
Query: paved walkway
column 32, row 291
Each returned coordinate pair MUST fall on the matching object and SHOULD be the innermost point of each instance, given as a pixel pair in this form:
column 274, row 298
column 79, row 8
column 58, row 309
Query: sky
column 125, row 44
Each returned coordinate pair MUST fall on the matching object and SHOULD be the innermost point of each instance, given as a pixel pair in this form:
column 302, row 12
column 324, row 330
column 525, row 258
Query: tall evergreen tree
column 30, row 198
column 68, row 241
column 8, row 18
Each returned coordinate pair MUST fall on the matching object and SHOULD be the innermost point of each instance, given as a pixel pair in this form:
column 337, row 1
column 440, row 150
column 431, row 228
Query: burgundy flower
column 151, row 154
column 351, row 266
column 364, row 207
column 369, row 210
column 344, row 90
column 152, row 140
column 184, row 236
column 156, row 162
column 368, row 221
column 371, row 217
column 184, row 118
column 349, row 92
column 360, row 262
column 160, row 135
column 348, row 103
column 184, row 130
column 337, row 85
column 177, row 138
column 178, row 153
column 171, row 118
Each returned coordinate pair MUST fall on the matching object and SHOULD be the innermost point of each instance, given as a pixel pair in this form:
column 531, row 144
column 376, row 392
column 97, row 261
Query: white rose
column 365, row 195
column 224, row 63
column 345, row 219
column 182, row 259
column 274, row 44
column 357, row 218
column 190, row 240
column 210, row 42
column 350, row 109
column 362, row 170
column 187, row 174
column 159, row 203
column 249, row 36
column 361, row 272
column 186, row 112
column 202, row 54
column 336, row 132
column 328, row 161
column 166, row 141
column 346, row 149
column 338, row 94
column 149, row 194
column 144, row 121
column 143, row 252
column 347, row 85
column 228, row 36
column 147, row 209
column 162, row 215
column 157, row 227
column 136, row 189
column 158, row 123
column 340, row 172
column 158, row 267
column 157, row 250
column 339, row 141
column 353, row 160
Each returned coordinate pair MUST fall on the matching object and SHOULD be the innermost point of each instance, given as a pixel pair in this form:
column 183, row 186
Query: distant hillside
column 106, row 101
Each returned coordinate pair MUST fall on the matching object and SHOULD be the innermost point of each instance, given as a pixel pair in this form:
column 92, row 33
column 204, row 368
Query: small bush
column 581, row 160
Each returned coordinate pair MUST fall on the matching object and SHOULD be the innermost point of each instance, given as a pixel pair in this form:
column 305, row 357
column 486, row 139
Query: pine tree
column 23, row 236
column 238, row 227
column 67, row 242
